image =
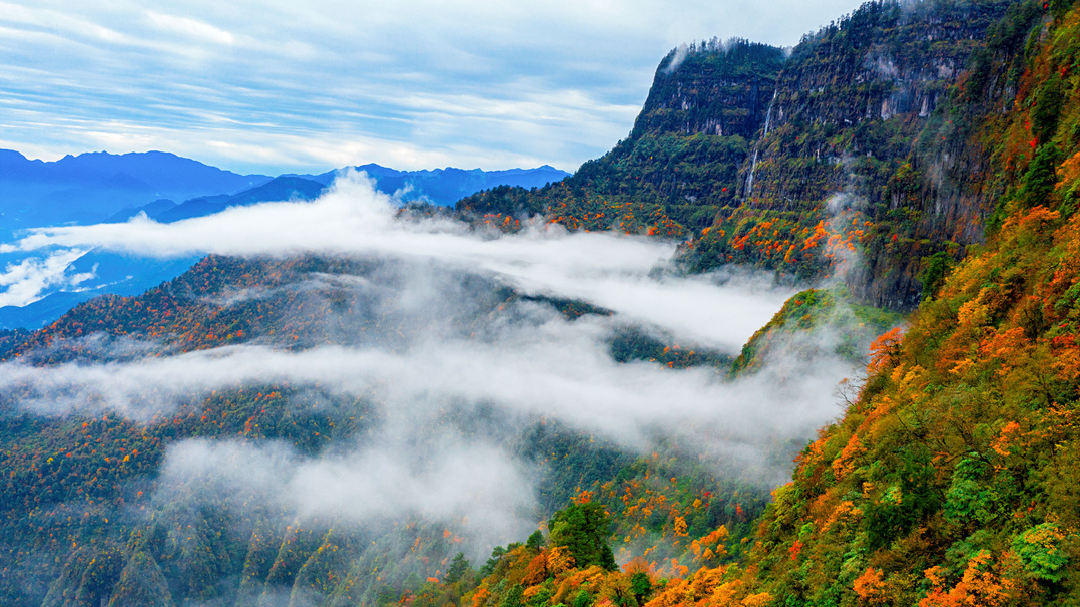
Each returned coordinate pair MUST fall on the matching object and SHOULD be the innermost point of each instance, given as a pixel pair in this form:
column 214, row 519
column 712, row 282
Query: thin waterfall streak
column 753, row 162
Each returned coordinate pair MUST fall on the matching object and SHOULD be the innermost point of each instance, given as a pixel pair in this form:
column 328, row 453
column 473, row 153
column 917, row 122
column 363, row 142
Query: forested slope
column 950, row 479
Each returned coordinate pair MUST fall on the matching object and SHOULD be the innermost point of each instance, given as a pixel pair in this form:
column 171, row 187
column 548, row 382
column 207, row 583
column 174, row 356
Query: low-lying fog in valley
column 443, row 367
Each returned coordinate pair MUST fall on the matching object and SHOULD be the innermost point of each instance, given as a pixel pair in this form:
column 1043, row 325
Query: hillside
column 107, row 465
column 862, row 139
column 949, row 480
column 211, row 440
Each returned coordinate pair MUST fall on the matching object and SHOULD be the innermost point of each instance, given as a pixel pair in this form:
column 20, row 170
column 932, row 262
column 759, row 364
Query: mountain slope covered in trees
column 924, row 154
column 950, row 478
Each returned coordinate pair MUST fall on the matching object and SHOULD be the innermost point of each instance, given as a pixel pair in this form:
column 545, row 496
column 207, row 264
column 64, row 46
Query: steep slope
column 680, row 162
column 949, row 480
column 855, row 155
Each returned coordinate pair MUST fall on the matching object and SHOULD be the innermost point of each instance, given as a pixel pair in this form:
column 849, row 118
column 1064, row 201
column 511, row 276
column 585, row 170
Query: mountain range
column 361, row 427
column 106, row 188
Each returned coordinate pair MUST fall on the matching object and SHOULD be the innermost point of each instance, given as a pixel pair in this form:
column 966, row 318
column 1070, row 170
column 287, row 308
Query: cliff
column 861, row 153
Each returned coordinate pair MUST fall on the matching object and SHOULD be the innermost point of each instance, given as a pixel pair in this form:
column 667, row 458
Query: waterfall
column 753, row 162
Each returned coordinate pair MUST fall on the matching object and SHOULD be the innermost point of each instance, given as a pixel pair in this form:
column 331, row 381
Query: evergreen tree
column 458, row 567
column 584, row 529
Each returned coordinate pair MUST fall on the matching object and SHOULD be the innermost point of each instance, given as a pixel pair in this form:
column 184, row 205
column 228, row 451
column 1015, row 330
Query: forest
column 911, row 171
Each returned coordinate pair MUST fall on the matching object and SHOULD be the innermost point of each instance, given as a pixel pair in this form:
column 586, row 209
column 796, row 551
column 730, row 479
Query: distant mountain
column 447, row 186
column 123, row 274
column 167, row 211
column 165, row 174
column 105, row 188
column 90, row 188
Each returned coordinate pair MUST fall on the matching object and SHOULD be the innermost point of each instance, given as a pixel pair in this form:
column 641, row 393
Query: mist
column 453, row 376
column 627, row 274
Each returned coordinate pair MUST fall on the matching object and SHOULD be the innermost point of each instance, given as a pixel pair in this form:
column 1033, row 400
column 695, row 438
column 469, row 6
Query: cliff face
column 881, row 106
column 861, row 154
column 682, row 159
column 712, row 88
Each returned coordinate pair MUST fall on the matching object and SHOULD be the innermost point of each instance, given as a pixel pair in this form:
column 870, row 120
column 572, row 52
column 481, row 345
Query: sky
column 275, row 87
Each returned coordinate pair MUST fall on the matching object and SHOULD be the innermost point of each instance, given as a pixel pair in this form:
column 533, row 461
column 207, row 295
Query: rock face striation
column 859, row 152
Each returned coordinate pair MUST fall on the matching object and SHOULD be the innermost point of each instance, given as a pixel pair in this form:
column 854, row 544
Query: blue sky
column 274, row 86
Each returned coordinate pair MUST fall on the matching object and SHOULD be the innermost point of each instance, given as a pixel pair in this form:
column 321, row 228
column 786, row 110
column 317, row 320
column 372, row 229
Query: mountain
column 924, row 157
column 124, row 274
column 863, row 136
column 106, row 188
column 944, row 482
column 446, row 186
column 90, row 187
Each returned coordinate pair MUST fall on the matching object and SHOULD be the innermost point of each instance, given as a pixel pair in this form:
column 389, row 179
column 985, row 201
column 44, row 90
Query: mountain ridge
column 946, row 480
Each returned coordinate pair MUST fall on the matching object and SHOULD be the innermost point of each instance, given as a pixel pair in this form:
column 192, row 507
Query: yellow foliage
column 559, row 560
column 760, row 599
column 724, row 594
column 680, row 526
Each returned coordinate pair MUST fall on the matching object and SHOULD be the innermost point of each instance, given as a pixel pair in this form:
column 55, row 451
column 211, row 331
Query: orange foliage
column 870, row 587
column 537, row 571
column 884, row 350
column 981, row 585
column 845, row 464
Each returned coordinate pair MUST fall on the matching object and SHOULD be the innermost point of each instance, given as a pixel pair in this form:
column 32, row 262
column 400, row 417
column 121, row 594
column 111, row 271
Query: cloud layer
column 623, row 273
column 413, row 85
column 451, row 350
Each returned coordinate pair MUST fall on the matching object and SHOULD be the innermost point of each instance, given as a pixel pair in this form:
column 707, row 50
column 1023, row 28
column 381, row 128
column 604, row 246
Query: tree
column 535, row 541
column 640, row 585
column 514, row 598
column 458, row 567
column 584, row 529
column 141, row 584
column 937, row 270
column 1041, row 177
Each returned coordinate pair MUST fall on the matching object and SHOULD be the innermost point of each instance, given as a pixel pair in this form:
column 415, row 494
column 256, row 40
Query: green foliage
column 141, row 584
column 640, row 585
column 970, row 500
column 815, row 310
column 1041, row 549
column 514, row 597
column 584, row 528
column 937, row 268
column 1041, row 177
column 958, row 455
column 457, row 569
column 906, row 504
column 535, row 541
column 1047, row 111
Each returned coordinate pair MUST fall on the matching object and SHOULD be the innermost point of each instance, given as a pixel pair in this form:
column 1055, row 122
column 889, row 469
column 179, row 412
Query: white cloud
column 189, row 27
column 26, row 279
column 450, row 480
column 564, row 79
column 623, row 273
column 536, row 365
column 441, row 357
